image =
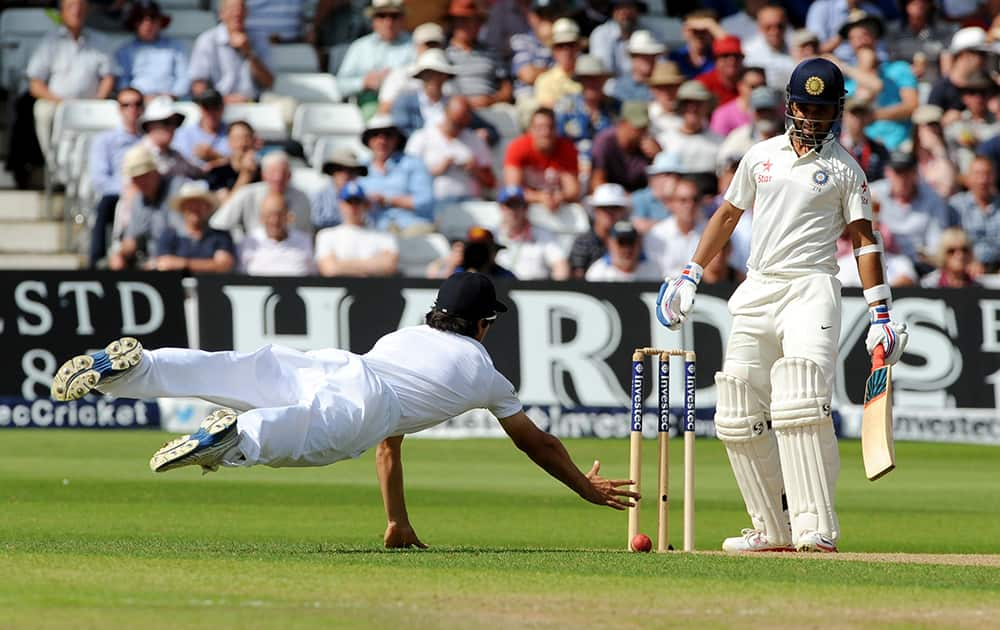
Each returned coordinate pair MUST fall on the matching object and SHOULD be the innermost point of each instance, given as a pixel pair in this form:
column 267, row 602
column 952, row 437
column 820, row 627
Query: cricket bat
column 876, row 424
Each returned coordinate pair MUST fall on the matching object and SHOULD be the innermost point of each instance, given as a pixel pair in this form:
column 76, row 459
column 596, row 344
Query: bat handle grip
column 878, row 357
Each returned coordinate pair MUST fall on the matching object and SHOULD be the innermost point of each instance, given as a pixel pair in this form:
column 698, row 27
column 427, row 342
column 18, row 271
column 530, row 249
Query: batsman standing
column 288, row 408
column 774, row 390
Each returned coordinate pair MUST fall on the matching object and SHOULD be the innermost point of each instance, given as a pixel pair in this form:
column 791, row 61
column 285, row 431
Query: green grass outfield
column 90, row 538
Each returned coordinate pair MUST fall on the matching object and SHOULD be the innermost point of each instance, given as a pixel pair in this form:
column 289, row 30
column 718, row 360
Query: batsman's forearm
column 717, row 233
column 389, row 465
column 552, row 457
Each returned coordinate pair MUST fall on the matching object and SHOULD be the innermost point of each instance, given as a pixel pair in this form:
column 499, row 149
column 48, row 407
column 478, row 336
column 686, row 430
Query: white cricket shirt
column 438, row 375
column 800, row 205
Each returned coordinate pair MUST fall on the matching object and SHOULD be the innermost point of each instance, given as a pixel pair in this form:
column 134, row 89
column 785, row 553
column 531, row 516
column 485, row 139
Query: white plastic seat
column 20, row 32
column 504, row 117
column 416, row 252
column 307, row 87
column 325, row 144
column 266, row 119
column 668, row 30
column 78, row 117
column 189, row 24
column 316, row 120
column 309, row 181
column 293, row 58
column 454, row 220
column 570, row 218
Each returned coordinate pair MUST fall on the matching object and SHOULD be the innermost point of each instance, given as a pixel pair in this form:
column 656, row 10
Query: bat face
column 876, row 424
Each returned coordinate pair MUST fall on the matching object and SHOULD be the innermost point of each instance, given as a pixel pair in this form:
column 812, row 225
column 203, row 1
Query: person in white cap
column 159, row 122
column 558, row 81
column 643, row 50
column 969, row 53
column 414, row 110
column 287, row 408
column 405, row 79
column 369, row 59
column 197, row 248
column 609, row 204
column 672, row 241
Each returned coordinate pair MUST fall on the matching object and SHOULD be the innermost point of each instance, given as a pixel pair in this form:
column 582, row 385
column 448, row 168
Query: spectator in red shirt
column 542, row 163
column 722, row 79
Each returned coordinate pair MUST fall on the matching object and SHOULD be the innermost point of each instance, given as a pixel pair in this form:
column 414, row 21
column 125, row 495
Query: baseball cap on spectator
column 858, row 102
column 666, row 73
column 209, row 99
column 590, row 66
column 482, row 236
column 434, row 60
column 352, row 191
column 902, row 160
column 728, row 45
column 382, row 122
column 927, row 114
column 968, row 38
column 665, row 163
column 160, row 109
column 643, row 42
column 624, row 232
column 385, row 6
column 138, row 161
column 610, row 196
column 565, row 31
column 635, row 113
column 470, row 296
column 142, row 10
column 803, row 36
column 512, row 196
column 428, row 33
column 858, row 17
column 694, row 91
column 764, row 98
column 343, row 158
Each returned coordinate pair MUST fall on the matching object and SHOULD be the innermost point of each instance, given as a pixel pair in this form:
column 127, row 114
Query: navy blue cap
column 817, row 81
column 351, row 191
column 469, row 295
column 511, row 193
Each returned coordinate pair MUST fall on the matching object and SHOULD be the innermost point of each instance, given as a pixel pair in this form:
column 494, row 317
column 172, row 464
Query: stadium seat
column 20, row 32
column 455, row 220
column 266, row 119
column 666, row 29
column 416, row 252
column 571, row 218
column 293, row 58
column 74, row 126
column 309, row 181
column 313, row 121
column 189, row 24
column 325, row 144
column 307, row 87
column 504, row 117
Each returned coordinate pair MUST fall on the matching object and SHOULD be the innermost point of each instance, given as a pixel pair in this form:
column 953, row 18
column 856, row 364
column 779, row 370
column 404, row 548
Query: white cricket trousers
column 297, row 408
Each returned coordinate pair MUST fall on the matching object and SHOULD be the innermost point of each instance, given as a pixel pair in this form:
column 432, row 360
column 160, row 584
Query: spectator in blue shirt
column 229, row 59
column 398, row 186
column 205, row 142
column 107, row 151
column 650, row 204
column 582, row 116
column 275, row 20
column 196, row 248
column 152, row 63
column 895, row 102
column 609, row 41
column 695, row 56
column 342, row 165
column 979, row 210
column 531, row 53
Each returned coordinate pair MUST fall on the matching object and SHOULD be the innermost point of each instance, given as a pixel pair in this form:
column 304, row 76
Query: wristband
column 878, row 292
column 868, row 249
column 692, row 272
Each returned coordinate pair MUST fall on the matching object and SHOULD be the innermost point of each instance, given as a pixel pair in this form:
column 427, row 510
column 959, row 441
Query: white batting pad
column 741, row 423
column 810, row 461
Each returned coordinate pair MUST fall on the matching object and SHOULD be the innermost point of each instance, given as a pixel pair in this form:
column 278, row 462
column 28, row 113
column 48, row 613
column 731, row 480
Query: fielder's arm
column 868, row 252
column 389, row 464
column 717, row 232
column 549, row 453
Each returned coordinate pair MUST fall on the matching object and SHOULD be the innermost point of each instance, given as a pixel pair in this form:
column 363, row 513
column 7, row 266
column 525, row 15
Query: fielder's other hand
column 676, row 297
column 610, row 492
column 892, row 335
column 399, row 536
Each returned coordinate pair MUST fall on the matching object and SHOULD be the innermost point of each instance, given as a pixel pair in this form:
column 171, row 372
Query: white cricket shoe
column 80, row 375
column 207, row 447
column 814, row 541
column 751, row 540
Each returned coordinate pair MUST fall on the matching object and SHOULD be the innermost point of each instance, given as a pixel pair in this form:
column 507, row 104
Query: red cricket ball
column 641, row 542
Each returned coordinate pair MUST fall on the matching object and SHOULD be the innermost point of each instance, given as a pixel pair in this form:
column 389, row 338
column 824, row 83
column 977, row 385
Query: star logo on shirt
column 767, row 166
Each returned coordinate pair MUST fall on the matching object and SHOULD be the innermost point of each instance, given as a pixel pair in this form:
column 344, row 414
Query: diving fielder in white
column 774, row 390
column 289, row 408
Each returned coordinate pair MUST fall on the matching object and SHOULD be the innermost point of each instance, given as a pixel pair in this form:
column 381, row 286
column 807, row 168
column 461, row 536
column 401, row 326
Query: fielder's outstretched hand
column 676, row 297
column 401, row 537
column 610, row 492
column 892, row 335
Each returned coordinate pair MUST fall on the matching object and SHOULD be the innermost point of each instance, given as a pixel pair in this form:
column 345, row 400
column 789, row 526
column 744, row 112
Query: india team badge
column 814, row 86
column 821, row 177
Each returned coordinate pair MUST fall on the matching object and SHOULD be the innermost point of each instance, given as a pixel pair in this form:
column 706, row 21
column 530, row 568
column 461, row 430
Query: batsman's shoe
column 80, row 375
column 751, row 540
column 815, row 541
column 206, row 447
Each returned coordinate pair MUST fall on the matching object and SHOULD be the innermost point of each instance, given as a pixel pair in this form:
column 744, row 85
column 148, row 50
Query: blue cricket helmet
column 815, row 81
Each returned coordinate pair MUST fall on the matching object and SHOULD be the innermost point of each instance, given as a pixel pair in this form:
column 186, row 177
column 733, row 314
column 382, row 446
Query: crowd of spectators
column 641, row 131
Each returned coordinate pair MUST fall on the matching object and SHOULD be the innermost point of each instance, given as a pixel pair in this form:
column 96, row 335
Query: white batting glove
column 891, row 335
column 676, row 297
